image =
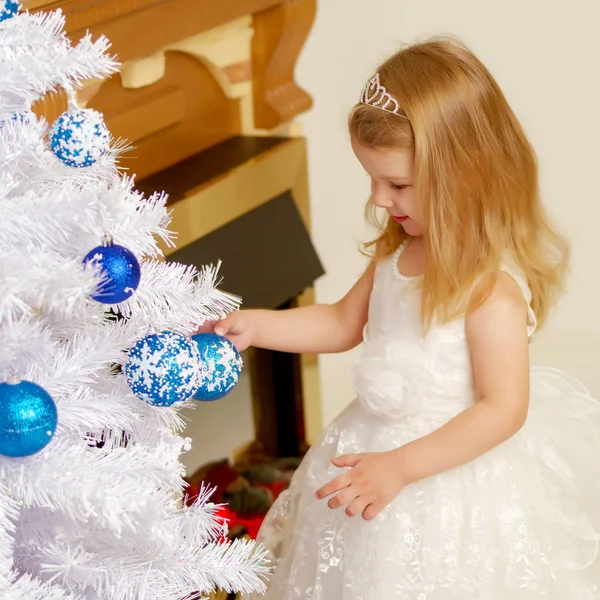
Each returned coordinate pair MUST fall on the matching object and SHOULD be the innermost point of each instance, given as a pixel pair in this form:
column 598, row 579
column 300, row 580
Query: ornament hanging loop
column 71, row 95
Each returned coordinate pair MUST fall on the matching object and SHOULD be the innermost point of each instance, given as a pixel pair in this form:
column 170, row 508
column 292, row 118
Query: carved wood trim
column 166, row 122
column 140, row 27
column 281, row 28
column 279, row 34
column 239, row 72
column 114, row 8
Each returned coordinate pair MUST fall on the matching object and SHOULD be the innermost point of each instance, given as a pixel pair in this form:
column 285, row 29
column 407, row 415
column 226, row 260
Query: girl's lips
column 399, row 219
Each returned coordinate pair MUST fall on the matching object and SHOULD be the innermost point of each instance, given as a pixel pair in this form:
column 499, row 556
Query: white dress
column 520, row 522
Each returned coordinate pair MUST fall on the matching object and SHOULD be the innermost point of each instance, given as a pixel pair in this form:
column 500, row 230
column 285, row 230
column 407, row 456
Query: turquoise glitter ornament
column 220, row 366
column 28, row 418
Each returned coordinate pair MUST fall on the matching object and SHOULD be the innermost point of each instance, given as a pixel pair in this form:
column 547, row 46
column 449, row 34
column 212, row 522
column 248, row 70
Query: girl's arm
column 313, row 329
column 497, row 337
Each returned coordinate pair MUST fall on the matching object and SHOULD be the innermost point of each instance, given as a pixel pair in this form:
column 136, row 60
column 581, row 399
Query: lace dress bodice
column 402, row 372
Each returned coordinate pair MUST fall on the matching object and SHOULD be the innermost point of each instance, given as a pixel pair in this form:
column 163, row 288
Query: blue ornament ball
column 28, row 418
column 8, row 9
column 79, row 137
column 162, row 368
column 120, row 272
column 220, row 366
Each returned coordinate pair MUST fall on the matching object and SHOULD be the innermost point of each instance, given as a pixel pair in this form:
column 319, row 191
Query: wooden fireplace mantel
column 194, row 72
column 139, row 27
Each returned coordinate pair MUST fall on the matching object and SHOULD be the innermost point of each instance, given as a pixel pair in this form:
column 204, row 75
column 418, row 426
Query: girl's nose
column 380, row 196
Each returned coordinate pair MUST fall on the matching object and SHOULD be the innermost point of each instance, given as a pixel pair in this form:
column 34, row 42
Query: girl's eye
column 398, row 186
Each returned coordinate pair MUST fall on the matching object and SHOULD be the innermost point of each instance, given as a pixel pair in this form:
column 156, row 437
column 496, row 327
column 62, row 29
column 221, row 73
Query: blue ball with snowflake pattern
column 220, row 366
column 162, row 368
column 79, row 137
column 8, row 9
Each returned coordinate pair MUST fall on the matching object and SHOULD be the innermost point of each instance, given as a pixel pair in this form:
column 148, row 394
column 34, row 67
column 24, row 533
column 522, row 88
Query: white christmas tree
column 91, row 489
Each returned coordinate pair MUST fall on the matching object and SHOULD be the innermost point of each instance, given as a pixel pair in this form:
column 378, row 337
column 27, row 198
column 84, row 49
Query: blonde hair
column 476, row 178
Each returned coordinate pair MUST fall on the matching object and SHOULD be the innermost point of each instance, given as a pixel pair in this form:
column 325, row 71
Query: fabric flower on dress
column 392, row 380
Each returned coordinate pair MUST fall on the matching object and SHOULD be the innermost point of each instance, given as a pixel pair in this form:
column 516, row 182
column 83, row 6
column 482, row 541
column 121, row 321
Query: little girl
column 457, row 472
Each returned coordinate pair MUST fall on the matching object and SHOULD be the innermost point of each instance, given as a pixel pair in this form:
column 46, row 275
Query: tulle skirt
column 518, row 523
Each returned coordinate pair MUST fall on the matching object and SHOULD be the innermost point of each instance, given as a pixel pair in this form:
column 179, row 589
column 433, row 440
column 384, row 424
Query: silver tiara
column 375, row 95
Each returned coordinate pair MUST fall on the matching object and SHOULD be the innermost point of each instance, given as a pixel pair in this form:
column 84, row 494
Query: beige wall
column 545, row 54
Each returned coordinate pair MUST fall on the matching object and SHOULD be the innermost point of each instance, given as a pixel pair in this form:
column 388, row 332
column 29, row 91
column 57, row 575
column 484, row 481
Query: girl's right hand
column 236, row 328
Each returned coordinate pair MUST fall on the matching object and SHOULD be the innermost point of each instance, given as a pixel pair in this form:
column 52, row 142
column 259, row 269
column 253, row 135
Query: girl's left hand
column 374, row 480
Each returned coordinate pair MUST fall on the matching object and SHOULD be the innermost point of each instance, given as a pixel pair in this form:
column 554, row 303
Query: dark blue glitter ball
column 79, row 137
column 8, row 9
column 120, row 270
column 220, row 366
column 162, row 368
column 28, row 418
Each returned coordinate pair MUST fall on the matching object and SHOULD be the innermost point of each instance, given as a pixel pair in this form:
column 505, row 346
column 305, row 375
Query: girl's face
column 391, row 173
